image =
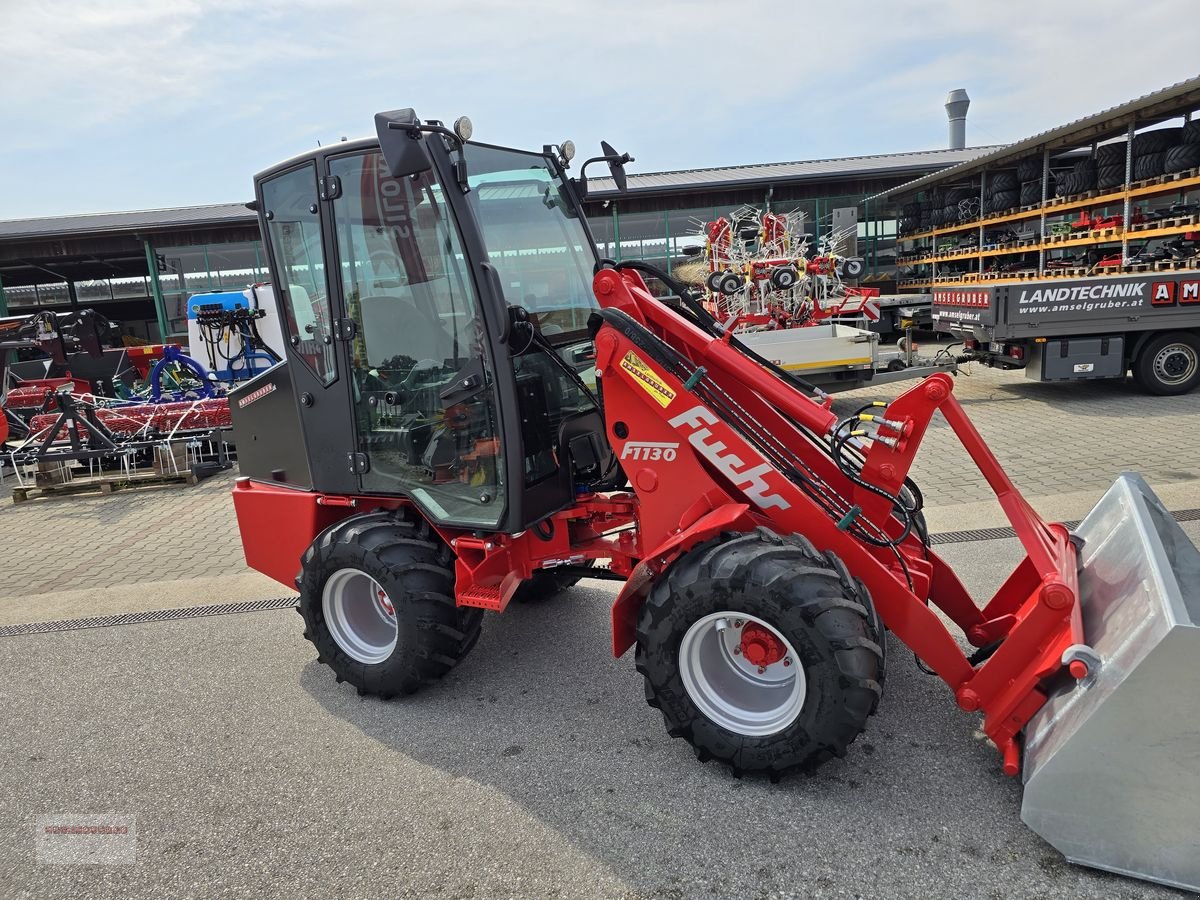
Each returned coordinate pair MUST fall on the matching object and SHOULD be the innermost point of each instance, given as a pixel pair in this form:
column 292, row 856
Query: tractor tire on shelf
column 1148, row 165
column 1168, row 364
column 1002, row 181
column 1031, row 193
column 1156, row 141
column 761, row 653
column 1067, row 185
column 362, row 567
column 1110, row 176
column 1112, row 155
column 1005, row 200
column 1182, row 158
column 1029, row 169
column 1191, row 132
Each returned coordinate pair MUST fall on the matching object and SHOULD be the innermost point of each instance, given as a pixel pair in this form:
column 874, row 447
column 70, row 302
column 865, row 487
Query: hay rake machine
column 428, row 453
column 757, row 272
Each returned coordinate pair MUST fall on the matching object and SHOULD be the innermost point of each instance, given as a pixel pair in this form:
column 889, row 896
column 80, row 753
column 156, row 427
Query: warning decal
column 647, row 379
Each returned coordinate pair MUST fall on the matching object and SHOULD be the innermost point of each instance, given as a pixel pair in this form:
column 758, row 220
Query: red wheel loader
column 475, row 409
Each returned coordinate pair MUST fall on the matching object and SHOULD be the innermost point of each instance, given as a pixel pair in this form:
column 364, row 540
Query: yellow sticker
column 646, row 377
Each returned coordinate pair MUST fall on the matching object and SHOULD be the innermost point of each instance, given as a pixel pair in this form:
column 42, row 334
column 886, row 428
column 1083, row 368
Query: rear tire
column 781, row 717
column 359, row 568
column 1168, row 364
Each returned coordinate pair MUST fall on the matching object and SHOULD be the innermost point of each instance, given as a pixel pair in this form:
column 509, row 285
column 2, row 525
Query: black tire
column 1005, row 200
column 1065, row 185
column 1110, row 176
column 784, row 278
column 1175, row 353
column 1182, row 158
column 713, row 281
column 1002, row 181
column 1156, row 141
column 416, row 570
column 1029, row 169
column 1112, row 155
column 1148, row 165
column 853, row 267
column 808, row 598
column 731, row 283
column 1191, row 132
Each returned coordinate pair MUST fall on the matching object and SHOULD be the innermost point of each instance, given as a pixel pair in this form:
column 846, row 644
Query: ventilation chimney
column 956, row 111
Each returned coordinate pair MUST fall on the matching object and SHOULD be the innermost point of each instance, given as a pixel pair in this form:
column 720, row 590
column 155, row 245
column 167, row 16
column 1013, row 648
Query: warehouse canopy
column 883, row 164
column 1151, row 109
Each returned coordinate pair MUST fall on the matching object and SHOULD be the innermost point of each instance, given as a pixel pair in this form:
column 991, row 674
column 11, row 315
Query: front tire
column 377, row 598
column 761, row 653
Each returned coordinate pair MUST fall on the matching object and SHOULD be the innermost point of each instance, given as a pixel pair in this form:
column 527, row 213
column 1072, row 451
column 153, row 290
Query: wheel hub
column 742, row 674
column 760, row 646
column 1175, row 363
column 360, row 616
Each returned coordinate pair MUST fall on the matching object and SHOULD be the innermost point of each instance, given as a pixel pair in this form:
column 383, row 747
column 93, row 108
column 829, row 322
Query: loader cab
column 395, row 286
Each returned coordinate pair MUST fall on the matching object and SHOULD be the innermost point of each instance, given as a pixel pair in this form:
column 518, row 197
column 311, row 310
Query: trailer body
column 1065, row 329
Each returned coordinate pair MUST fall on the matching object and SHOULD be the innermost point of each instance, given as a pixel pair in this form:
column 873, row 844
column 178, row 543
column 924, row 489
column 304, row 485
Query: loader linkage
column 1034, row 616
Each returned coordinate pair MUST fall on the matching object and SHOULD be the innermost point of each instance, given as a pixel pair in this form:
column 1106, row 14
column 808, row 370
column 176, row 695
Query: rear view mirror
column 401, row 141
column 616, row 165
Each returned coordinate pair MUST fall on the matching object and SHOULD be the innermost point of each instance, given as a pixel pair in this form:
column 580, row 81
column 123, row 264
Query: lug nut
column 738, row 623
column 737, row 651
column 787, row 660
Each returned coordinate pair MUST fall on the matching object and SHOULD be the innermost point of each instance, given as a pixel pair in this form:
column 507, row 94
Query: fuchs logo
column 267, row 388
column 650, row 451
column 750, row 480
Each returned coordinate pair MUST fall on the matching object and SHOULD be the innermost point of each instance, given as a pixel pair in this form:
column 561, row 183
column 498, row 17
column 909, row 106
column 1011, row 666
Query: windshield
column 534, row 238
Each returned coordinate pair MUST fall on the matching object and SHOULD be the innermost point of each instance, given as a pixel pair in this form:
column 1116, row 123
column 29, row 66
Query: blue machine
column 223, row 331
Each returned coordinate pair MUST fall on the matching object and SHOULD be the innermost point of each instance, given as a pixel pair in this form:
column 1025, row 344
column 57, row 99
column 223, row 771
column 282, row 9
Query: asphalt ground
column 534, row 769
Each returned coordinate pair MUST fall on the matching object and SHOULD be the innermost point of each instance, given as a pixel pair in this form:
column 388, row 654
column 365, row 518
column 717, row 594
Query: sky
column 140, row 104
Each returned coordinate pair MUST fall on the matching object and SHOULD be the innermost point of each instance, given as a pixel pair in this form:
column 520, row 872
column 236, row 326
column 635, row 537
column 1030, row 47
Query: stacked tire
column 1150, row 150
column 1185, row 155
column 1029, row 174
column 911, row 215
column 1002, row 192
column 1110, row 165
column 1081, row 179
column 957, row 206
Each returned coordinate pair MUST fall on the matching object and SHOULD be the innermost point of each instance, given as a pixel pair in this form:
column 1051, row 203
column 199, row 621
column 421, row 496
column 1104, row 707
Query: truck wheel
column 1168, row 364
column 377, row 597
column 761, row 653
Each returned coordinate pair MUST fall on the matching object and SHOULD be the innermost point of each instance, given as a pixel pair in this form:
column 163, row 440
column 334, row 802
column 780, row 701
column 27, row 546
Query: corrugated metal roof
column 135, row 220
column 804, row 170
column 1149, row 109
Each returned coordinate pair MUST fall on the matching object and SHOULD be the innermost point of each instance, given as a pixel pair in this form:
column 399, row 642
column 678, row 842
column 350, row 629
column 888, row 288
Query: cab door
column 297, row 238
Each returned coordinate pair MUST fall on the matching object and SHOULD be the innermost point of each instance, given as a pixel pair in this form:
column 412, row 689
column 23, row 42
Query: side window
column 295, row 233
column 421, row 378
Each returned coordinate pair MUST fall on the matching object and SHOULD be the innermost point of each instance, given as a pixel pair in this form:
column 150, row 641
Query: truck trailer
column 1063, row 330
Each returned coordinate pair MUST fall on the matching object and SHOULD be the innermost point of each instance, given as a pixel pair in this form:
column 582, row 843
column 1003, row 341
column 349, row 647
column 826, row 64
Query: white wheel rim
column 731, row 690
column 1175, row 363
column 360, row 616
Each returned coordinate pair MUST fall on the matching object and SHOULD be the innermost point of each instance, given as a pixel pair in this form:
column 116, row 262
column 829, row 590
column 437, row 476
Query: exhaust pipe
column 1112, row 761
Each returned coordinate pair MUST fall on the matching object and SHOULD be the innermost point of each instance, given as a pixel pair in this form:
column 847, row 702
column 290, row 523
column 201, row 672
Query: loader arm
column 750, row 440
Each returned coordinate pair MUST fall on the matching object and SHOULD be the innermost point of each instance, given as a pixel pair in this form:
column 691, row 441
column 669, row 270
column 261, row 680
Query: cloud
column 180, row 101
